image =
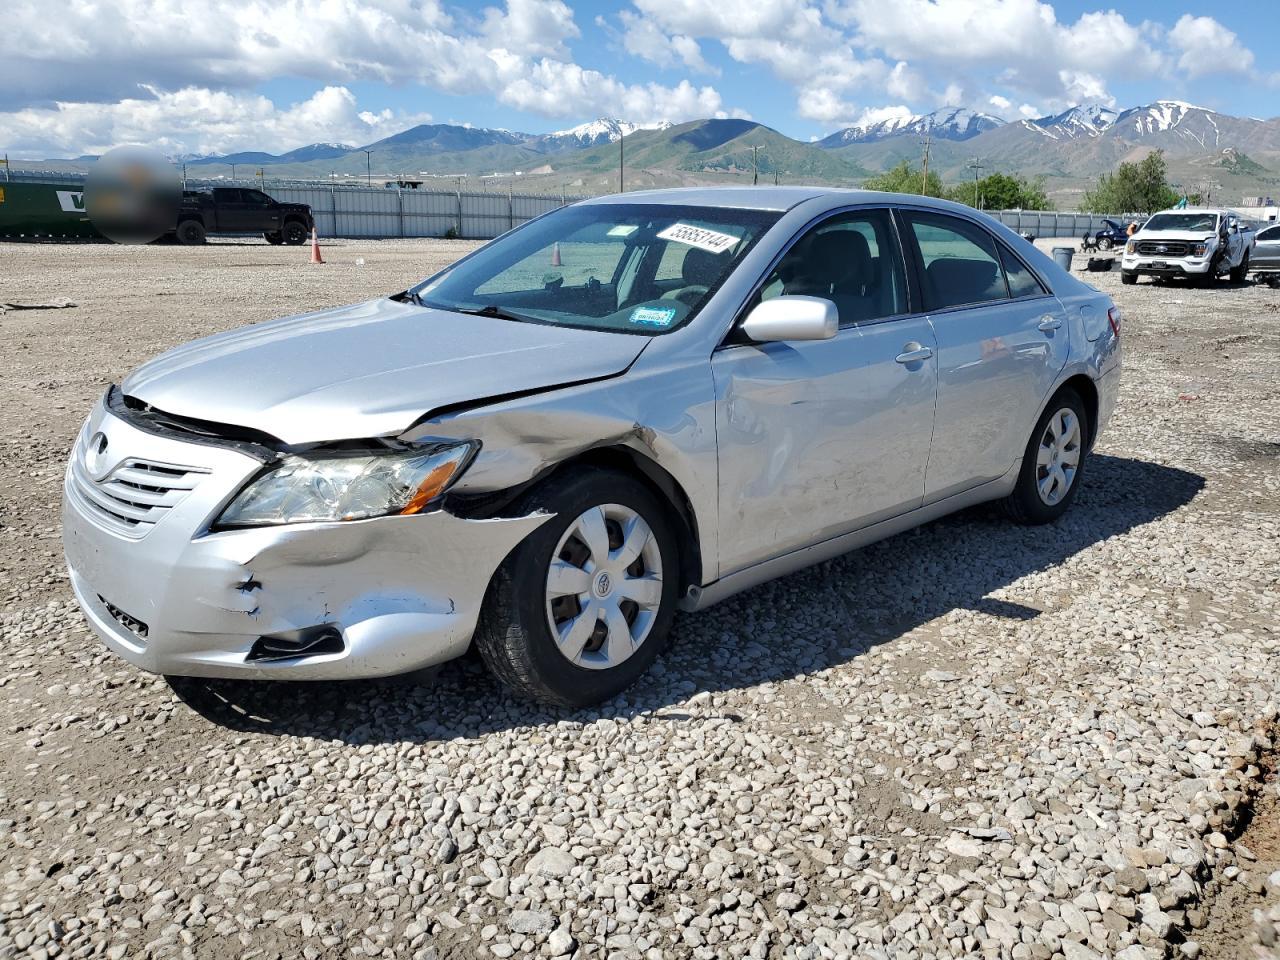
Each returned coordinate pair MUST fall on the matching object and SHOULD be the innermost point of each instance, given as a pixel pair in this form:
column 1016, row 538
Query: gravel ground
column 974, row 739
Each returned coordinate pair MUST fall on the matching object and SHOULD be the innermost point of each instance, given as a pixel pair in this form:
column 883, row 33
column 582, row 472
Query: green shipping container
column 40, row 211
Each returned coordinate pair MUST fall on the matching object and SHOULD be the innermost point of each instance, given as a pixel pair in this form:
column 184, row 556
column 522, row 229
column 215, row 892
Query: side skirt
column 699, row 598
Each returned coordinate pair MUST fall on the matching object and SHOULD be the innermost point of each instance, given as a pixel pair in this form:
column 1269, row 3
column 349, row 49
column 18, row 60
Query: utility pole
column 233, row 171
column 621, row 162
column 755, row 166
column 368, row 166
column 6, row 167
column 928, row 143
column 975, row 165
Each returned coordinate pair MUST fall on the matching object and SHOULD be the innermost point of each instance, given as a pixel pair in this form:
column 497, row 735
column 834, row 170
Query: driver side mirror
column 792, row 318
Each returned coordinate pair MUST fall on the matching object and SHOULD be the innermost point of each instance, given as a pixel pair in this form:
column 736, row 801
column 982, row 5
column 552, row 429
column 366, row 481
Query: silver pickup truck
column 1198, row 244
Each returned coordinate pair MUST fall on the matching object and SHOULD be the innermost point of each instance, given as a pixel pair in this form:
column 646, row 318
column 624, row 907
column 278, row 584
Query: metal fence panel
column 349, row 210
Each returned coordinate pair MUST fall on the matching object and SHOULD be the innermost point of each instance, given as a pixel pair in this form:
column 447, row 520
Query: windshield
column 636, row 267
column 1194, row 222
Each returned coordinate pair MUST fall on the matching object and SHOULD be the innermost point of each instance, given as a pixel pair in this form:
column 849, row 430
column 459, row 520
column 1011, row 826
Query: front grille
column 1164, row 248
column 135, row 495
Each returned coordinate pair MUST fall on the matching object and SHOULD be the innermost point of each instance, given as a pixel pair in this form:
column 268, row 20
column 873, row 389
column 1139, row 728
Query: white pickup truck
column 1197, row 243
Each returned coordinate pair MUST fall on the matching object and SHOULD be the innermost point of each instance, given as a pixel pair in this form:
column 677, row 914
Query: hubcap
column 1058, row 459
column 604, row 587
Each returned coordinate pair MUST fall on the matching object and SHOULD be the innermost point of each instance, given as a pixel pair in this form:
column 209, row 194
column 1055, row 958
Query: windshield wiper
column 493, row 310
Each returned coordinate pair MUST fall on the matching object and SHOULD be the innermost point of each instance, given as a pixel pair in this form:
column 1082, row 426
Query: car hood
column 368, row 370
column 1195, row 236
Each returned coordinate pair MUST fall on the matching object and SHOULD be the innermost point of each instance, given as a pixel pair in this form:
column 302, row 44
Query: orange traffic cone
column 315, row 247
column 555, row 255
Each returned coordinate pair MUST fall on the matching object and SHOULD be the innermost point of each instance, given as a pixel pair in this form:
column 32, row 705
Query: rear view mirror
column 792, row 318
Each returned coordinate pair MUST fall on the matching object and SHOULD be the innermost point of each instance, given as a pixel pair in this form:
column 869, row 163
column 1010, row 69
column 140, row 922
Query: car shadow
column 854, row 602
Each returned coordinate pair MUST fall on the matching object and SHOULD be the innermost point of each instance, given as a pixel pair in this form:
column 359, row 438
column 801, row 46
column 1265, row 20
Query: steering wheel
column 687, row 295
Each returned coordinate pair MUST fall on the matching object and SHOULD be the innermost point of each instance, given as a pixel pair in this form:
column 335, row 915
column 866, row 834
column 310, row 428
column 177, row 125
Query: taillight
column 1114, row 317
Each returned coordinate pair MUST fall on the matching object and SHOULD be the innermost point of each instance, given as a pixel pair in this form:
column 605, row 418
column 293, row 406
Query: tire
column 191, row 233
column 295, row 233
column 273, row 237
column 1128, row 277
column 1104, row 243
column 1029, row 503
column 1239, row 273
column 515, row 635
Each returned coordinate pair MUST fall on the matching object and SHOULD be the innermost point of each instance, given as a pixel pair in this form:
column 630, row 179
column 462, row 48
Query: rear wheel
column 1053, row 462
column 273, row 237
column 1128, row 277
column 191, row 233
column 295, row 233
column 583, row 606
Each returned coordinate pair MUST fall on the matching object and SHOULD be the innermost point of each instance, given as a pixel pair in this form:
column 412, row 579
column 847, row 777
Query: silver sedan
column 628, row 406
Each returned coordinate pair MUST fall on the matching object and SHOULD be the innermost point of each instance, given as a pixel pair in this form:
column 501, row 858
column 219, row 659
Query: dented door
column 818, row 438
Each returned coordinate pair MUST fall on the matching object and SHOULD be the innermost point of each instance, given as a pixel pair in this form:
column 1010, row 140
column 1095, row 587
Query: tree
column 905, row 178
column 1141, row 187
column 1000, row 191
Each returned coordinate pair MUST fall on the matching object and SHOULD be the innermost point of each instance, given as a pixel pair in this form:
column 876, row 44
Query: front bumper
column 401, row 592
column 1154, row 266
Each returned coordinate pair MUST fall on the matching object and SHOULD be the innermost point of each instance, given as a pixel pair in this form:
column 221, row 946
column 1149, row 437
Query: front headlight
column 309, row 488
column 1131, row 247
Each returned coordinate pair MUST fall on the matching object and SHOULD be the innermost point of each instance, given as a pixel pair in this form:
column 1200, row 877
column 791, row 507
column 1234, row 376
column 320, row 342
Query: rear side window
column 1022, row 282
column 1271, row 233
column 960, row 261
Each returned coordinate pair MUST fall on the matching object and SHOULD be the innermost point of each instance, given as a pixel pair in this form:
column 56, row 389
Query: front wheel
column 1104, row 243
column 273, row 237
column 583, row 606
column 1053, row 462
column 295, row 233
column 1128, row 277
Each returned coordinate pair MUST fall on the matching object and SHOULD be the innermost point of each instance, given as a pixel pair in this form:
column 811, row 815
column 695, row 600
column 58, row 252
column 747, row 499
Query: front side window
column 852, row 260
column 636, row 268
column 960, row 262
column 1271, row 233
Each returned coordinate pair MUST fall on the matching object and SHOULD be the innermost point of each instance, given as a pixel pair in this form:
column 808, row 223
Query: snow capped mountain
column 1082, row 120
column 947, row 123
column 1159, row 116
column 596, row 132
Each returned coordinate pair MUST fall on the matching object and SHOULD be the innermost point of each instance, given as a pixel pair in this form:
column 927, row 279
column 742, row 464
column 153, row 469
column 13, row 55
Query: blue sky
column 275, row 74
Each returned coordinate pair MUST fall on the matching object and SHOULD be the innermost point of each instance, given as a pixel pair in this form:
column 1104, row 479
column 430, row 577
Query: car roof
column 772, row 198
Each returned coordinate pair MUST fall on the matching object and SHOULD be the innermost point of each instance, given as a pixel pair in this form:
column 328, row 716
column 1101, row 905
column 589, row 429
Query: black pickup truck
column 241, row 210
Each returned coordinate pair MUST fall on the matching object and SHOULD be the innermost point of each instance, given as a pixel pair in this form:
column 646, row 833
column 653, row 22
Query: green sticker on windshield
column 653, row 316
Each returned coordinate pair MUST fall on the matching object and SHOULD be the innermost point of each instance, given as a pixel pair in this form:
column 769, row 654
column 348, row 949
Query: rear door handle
column 913, row 352
column 1048, row 323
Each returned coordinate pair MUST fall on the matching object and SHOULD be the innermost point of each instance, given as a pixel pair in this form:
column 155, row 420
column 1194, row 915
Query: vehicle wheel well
column 1088, row 392
column 664, row 485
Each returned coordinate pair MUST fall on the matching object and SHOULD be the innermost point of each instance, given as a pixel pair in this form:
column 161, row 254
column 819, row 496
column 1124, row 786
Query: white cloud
column 196, row 120
column 999, row 102
column 1206, row 46
column 642, row 37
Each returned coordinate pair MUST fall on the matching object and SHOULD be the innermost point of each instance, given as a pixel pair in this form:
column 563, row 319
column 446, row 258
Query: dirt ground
column 110, row 784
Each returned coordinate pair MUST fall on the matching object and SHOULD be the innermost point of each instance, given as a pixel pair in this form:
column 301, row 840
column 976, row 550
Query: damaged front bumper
column 312, row 601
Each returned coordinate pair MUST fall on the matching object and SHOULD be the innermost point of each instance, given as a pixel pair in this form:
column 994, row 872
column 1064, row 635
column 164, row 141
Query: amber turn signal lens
column 431, row 487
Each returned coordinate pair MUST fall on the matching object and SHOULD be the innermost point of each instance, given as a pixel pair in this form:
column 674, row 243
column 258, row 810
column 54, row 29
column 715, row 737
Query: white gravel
column 972, row 740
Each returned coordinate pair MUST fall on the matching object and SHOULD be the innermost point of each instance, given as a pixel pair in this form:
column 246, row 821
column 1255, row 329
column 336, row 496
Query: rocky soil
column 972, row 740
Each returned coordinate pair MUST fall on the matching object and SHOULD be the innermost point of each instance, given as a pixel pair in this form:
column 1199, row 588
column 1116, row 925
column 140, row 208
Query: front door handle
column 913, row 352
column 1048, row 323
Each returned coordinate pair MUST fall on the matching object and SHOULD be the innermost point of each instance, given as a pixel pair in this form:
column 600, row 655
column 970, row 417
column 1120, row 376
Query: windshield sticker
column 623, row 230
column 699, row 237
column 653, row 316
